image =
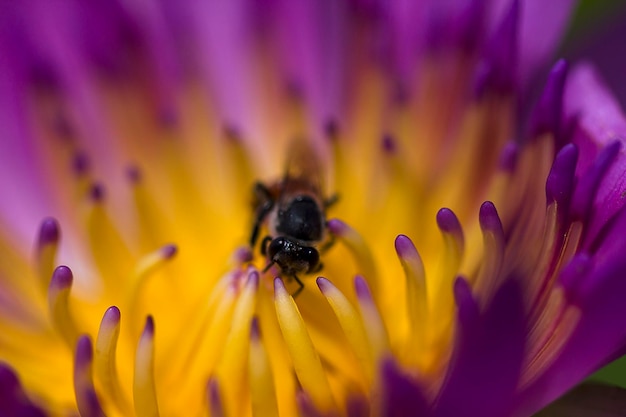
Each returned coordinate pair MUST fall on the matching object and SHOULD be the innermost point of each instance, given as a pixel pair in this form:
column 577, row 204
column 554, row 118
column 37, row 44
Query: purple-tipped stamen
column 215, row 399
column 96, row 192
column 405, row 247
column 112, row 316
column 253, row 279
column 547, row 113
column 331, row 129
column 133, row 174
column 323, row 284
column 361, row 288
column 62, row 278
column 242, row 255
column 572, row 276
column 560, row 181
column 86, row 397
column 279, row 286
column 169, row 251
column 489, row 219
column 255, row 329
column 388, row 144
column 588, row 184
column 337, row 227
column 508, row 156
column 498, row 71
column 84, row 352
column 305, row 405
column 148, row 329
column 449, row 223
column 465, row 301
column 80, row 163
column 49, row 232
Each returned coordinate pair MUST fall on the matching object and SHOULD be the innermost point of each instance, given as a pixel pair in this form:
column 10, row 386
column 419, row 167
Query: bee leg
column 266, row 203
column 299, row 290
column 331, row 200
column 317, row 268
column 264, row 242
column 328, row 244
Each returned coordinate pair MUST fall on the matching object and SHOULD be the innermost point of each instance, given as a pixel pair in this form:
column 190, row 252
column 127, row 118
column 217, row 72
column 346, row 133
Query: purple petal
column 223, row 42
column 498, row 70
column 590, row 180
column 598, row 122
column 13, row 400
column 312, row 44
column 401, row 396
column 542, row 25
column 487, row 357
column 601, row 331
column 357, row 406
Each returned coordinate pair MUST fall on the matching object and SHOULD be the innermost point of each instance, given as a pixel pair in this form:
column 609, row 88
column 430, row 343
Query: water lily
column 477, row 265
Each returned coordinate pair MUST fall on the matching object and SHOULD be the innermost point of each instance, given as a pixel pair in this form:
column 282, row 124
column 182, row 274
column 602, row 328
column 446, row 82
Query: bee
column 293, row 210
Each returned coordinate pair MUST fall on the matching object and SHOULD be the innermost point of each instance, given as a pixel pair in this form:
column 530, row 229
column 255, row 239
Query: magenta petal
column 499, row 70
column 13, row 400
column 223, row 42
column 401, row 396
column 601, row 332
column 598, row 122
column 542, row 26
column 487, row 356
column 311, row 37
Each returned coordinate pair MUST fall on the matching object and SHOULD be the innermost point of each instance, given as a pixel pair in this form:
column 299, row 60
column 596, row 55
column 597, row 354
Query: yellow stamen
column 86, row 399
column 552, row 348
column 416, row 298
column 262, row 390
column 572, row 240
column 46, row 250
column 487, row 281
column 145, row 268
column 441, row 294
column 144, row 390
column 375, row 330
column 111, row 254
column 212, row 327
column 231, row 366
column 351, row 325
column 306, row 361
column 58, row 304
column 149, row 213
column 546, row 252
column 360, row 251
column 215, row 399
column 105, row 359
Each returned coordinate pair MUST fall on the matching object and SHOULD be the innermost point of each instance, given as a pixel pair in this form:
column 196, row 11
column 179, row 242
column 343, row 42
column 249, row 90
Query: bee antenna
column 268, row 266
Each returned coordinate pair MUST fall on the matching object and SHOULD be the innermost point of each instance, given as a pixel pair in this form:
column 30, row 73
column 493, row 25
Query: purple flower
column 470, row 238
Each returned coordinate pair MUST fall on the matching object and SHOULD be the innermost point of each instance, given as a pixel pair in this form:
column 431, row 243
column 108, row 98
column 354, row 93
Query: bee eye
column 311, row 255
column 276, row 246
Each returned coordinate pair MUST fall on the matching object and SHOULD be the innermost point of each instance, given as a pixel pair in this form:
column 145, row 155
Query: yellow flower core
column 157, row 223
